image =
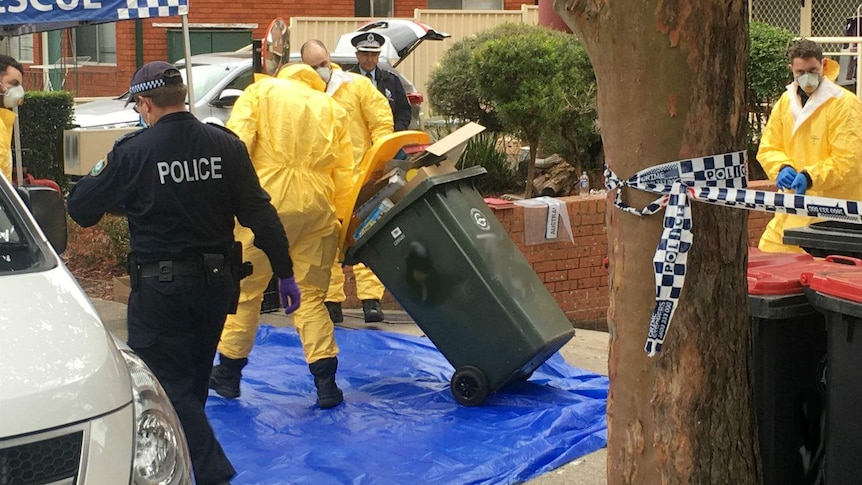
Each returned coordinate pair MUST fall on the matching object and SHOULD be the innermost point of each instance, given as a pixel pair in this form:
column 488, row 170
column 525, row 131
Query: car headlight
column 161, row 451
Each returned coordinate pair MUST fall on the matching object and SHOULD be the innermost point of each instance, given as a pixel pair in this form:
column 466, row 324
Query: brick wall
column 573, row 273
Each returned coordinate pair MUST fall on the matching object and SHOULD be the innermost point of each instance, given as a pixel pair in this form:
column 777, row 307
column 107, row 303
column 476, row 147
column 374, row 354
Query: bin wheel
column 469, row 385
column 523, row 377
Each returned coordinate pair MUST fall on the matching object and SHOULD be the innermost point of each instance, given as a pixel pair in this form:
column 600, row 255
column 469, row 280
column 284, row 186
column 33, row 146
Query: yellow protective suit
column 823, row 138
column 7, row 122
column 370, row 118
column 299, row 142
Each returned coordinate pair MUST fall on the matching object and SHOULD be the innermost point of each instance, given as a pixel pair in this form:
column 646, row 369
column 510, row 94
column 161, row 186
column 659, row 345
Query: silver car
column 219, row 78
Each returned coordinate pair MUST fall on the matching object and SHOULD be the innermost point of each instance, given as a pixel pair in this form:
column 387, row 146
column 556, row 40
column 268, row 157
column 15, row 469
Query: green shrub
column 117, row 229
column 767, row 77
column 43, row 117
column 537, row 81
column 451, row 86
column 482, row 150
column 100, row 248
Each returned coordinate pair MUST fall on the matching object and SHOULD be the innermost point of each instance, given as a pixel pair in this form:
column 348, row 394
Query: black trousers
column 175, row 328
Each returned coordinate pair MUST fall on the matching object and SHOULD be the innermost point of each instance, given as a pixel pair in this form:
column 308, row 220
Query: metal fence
column 823, row 21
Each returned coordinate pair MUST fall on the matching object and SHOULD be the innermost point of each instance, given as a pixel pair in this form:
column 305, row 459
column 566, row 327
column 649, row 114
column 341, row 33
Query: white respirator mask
column 13, row 96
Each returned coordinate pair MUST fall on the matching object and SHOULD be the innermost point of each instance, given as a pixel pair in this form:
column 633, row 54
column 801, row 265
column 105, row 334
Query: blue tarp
column 399, row 423
column 28, row 16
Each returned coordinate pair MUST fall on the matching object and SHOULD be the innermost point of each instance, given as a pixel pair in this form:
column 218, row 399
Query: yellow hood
column 831, row 69
column 302, row 73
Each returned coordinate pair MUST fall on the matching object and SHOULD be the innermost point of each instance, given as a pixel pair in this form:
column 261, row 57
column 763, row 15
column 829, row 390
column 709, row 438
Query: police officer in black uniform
column 181, row 182
column 368, row 46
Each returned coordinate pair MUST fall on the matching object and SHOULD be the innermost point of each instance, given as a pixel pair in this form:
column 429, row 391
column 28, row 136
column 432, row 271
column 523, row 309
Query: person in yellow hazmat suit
column 299, row 141
column 11, row 94
column 370, row 118
column 812, row 143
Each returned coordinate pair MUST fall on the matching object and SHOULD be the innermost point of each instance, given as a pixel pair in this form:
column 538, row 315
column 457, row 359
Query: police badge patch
column 98, row 167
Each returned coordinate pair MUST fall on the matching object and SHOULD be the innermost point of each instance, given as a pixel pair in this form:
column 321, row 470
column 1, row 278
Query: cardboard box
column 82, row 147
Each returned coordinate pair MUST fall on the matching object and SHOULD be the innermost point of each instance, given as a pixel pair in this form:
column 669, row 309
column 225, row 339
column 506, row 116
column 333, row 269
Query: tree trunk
column 671, row 85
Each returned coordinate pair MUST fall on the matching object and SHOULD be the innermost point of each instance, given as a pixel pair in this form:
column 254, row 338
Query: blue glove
column 800, row 184
column 289, row 292
column 786, row 177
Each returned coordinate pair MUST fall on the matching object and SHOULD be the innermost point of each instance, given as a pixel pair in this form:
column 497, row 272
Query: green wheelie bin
column 444, row 256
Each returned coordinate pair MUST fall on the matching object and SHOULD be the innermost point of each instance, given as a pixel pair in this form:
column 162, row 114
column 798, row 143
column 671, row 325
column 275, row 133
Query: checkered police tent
column 19, row 17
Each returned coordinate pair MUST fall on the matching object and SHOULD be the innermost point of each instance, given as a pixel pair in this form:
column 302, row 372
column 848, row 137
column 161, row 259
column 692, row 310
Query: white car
column 77, row 406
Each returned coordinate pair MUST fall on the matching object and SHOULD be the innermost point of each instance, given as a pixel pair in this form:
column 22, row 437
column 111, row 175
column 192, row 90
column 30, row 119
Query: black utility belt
column 215, row 268
column 167, row 270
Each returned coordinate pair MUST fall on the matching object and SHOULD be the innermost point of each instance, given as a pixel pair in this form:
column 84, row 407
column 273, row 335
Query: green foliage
column 576, row 132
column 767, row 77
column 451, row 86
column 537, row 81
column 43, row 117
column 117, row 229
column 104, row 246
column 767, row 65
column 482, row 150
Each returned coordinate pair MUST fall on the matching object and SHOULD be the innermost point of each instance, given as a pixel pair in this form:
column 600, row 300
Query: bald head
column 315, row 54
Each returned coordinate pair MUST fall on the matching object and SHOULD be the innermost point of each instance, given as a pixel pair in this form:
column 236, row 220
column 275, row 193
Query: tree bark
column 671, row 85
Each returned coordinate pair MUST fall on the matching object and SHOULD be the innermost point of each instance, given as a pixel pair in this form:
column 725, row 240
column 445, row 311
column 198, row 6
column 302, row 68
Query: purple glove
column 800, row 184
column 289, row 292
column 786, row 177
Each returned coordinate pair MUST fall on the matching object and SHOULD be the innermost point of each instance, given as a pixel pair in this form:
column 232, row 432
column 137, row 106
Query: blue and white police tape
column 719, row 180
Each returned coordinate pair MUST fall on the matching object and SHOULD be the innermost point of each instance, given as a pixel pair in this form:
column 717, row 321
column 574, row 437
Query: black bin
column 444, row 256
column 789, row 359
column 827, row 238
column 838, row 295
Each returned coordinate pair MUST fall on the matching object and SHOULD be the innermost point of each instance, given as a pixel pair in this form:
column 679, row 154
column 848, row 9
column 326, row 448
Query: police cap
column 151, row 76
column 368, row 42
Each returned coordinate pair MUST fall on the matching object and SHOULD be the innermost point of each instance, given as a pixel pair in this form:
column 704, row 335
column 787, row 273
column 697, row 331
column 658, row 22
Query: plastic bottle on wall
column 584, row 184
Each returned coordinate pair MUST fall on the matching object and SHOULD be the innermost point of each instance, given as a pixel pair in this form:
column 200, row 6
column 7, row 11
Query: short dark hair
column 805, row 49
column 166, row 96
column 7, row 61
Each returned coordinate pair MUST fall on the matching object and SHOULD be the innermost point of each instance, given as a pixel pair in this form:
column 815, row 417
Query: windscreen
column 18, row 248
column 206, row 77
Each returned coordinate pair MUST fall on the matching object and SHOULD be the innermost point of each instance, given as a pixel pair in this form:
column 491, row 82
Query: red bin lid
column 758, row 258
column 789, row 278
column 840, row 284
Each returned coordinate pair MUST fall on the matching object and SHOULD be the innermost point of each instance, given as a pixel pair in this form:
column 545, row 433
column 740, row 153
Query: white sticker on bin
column 720, row 180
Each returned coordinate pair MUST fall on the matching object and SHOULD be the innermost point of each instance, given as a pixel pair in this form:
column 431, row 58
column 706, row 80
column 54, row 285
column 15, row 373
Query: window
column 19, row 47
column 373, row 8
column 466, row 4
column 98, row 42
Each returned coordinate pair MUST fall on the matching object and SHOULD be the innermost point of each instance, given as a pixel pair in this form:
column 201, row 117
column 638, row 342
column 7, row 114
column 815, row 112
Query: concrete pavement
column 587, row 350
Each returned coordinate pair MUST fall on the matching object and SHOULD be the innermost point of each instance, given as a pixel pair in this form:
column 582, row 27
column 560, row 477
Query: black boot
column 373, row 312
column 334, row 309
column 225, row 377
column 328, row 393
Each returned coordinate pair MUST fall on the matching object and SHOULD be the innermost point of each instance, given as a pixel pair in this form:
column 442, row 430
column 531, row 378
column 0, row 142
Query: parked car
column 220, row 77
column 78, row 406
